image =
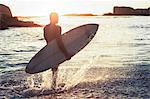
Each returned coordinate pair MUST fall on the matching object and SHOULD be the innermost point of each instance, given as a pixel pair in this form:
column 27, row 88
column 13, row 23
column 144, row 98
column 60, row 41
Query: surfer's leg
column 54, row 77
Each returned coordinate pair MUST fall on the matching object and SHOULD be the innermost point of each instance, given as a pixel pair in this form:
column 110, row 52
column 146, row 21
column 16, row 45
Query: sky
column 44, row 7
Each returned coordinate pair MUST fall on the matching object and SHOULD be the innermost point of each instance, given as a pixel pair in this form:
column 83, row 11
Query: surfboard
column 51, row 55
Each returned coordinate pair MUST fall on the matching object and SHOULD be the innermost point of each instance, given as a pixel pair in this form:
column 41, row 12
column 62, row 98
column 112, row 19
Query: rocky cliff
column 129, row 11
column 7, row 20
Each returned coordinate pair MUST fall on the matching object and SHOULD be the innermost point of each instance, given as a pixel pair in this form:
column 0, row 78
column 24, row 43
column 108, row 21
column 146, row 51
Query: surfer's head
column 54, row 18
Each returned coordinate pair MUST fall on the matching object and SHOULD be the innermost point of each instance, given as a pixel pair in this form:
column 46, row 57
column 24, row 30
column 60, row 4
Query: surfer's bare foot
column 47, row 91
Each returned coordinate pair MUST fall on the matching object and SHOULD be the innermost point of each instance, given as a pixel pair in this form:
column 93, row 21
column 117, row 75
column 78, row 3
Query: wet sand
column 113, row 83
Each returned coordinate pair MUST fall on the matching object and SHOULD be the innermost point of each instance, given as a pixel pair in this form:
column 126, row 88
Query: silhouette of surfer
column 53, row 31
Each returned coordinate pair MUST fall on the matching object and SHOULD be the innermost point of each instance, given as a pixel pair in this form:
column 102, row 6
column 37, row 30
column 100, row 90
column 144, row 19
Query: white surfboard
column 51, row 55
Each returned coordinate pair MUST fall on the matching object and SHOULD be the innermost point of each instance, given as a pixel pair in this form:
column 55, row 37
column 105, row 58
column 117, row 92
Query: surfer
column 53, row 31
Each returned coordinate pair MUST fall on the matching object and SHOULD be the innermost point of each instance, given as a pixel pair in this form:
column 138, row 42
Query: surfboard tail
column 29, row 71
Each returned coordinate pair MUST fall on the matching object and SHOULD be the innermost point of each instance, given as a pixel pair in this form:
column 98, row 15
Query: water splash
column 40, row 80
column 80, row 75
column 70, row 78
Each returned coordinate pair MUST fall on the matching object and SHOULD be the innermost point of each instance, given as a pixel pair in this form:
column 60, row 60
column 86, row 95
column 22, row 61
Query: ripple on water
column 24, row 50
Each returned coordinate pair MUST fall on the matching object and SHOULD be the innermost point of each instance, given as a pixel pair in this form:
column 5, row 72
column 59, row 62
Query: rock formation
column 7, row 20
column 129, row 11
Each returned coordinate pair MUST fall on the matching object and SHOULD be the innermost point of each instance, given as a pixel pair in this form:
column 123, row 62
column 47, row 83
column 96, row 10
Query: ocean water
column 120, row 41
column 116, row 61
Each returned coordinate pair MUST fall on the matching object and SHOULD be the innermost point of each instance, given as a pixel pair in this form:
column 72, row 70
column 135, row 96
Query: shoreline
column 113, row 83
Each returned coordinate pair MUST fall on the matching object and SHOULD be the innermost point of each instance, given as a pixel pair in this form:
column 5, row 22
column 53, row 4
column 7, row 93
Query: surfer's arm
column 61, row 44
column 45, row 35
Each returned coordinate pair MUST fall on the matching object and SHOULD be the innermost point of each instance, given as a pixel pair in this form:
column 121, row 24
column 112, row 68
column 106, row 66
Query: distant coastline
column 84, row 14
column 120, row 11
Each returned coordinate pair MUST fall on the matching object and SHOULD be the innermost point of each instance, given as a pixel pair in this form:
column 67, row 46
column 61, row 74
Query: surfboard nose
column 97, row 26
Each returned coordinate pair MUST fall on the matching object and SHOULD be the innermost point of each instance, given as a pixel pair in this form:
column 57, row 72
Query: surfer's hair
column 54, row 18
